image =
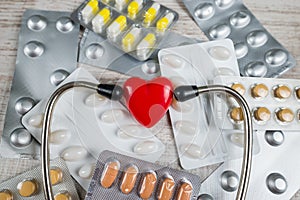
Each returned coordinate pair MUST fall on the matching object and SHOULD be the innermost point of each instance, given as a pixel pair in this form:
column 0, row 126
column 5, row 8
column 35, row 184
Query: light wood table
column 281, row 18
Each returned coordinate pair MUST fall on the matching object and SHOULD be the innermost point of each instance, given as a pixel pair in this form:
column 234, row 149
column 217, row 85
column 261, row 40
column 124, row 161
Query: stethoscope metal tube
column 114, row 92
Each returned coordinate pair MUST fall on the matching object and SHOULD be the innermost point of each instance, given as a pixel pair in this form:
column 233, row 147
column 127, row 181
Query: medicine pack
column 121, row 177
column 136, row 27
column 274, row 103
column 274, row 175
column 29, row 184
column 47, row 54
column 199, row 142
column 259, row 53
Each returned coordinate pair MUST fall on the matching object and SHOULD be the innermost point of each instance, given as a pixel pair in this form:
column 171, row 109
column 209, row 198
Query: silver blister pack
column 29, row 185
column 259, row 53
column 47, row 53
column 275, row 171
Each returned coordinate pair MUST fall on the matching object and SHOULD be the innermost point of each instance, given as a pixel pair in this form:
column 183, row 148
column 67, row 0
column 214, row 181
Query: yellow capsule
column 129, row 40
column 164, row 23
column 100, row 20
column 134, row 7
column 89, row 11
column 144, row 47
column 151, row 14
column 117, row 27
column 120, row 4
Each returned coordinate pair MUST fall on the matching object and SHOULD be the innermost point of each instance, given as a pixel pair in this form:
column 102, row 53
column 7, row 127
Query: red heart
column 148, row 101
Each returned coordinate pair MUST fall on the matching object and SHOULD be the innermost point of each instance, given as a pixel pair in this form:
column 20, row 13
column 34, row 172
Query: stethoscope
column 181, row 93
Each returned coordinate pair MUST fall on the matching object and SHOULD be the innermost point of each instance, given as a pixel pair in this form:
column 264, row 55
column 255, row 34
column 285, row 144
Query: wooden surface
column 281, row 18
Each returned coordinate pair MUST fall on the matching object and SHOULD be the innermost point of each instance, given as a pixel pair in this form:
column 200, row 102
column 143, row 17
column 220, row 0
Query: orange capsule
column 110, row 174
column 148, row 185
column 129, row 179
column 166, row 189
column 185, row 191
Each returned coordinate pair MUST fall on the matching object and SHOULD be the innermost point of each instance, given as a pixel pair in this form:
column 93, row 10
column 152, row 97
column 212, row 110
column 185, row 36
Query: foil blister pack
column 40, row 66
column 259, row 53
column 121, row 177
column 29, row 184
column 274, row 175
column 136, row 26
column 274, row 103
column 199, row 142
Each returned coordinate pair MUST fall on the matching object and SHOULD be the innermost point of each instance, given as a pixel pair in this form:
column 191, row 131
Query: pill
column 6, row 195
column 166, row 189
column 59, row 136
column 219, row 53
column 297, row 92
column 148, row 185
column 62, row 196
column 163, row 23
column 86, row 170
column 34, row 49
column 37, row 23
column 101, row 19
column 185, row 191
column 94, row 51
column 134, row 7
column 259, row 91
column 89, row 11
column 276, row 183
column 282, row 92
column 23, row 105
column 236, row 114
column 151, row 13
column 192, row 151
column 117, row 27
column 184, row 107
column 111, row 116
column 20, row 138
column 36, row 120
column 274, row 138
column 285, row 115
column 239, row 88
column 109, row 174
column 204, row 11
column 130, row 39
column 129, row 179
column 186, row 127
column 130, row 131
column 58, row 76
column 95, row 100
column 172, row 61
column 262, row 114
column 146, row 45
column 28, row 187
column 219, row 31
column 229, row 181
column 120, row 4
column 237, row 139
column 257, row 38
column 240, row 19
column 256, row 69
column 241, row 50
column 145, row 147
column 74, row 153
column 276, row 57
column 56, row 175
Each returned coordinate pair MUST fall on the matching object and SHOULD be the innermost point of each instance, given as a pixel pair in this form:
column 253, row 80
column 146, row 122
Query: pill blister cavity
column 256, row 69
column 64, row 24
column 111, row 116
column 236, row 115
column 63, row 196
column 150, row 67
column 59, row 136
column 116, row 27
column 146, row 46
column 259, row 91
column 134, row 7
column 151, row 14
column 282, row 92
column 20, row 138
column 145, row 147
column 37, row 23
column 86, row 171
column 284, row 115
column 223, row 3
column 204, row 11
column 205, row 197
column 237, row 139
column 219, row 53
column 229, row 181
column 95, row 100
column 163, row 23
column 257, row 38
column 185, row 191
column 166, row 189
column 276, row 57
column 34, row 49
column 297, row 92
column 58, row 76
column 24, row 104
column 274, row 138
column 239, row 88
column 241, row 50
column 219, row 31
column 184, row 107
column 109, row 173
column 89, row 11
column 173, row 61
column 276, row 183
column 6, row 195
column 74, row 153
column 28, row 187
column 36, row 120
column 94, row 51
column 262, row 114
column 56, row 175
column 192, row 151
column 148, row 184
column 101, row 19
column 224, row 71
column 128, row 179
column 240, row 19
column 130, row 131
column 186, row 127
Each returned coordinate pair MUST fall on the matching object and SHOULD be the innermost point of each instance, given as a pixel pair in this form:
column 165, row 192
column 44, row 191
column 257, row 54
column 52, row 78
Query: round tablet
column 259, row 91
column 56, row 176
column 236, row 114
column 239, row 88
column 62, row 196
column 27, row 188
column 285, row 115
column 6, row 195
column 282, row 92
column 262, row 114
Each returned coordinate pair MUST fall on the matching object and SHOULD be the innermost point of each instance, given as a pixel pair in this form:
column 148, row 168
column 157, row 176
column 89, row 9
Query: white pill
column 59, row 136
column 186, row 106
column 130, row 131
column 237, row 139
column 95, row 100
column 112, row 116
column 186, row 127
column 173, row 61
column 36, row 120
column 219, row 53
column 192, row 151
column 74, row 153
column 86, row 171
column 145, row 147
column 224, row 71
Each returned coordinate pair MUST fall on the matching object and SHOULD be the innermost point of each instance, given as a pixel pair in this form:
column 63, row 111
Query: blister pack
column 85, row 124
column 274, row 175
column 121, row 177
column 29, row 184
column 259, row 53
column 136, row 26
column 199, row 142
column 274, row 103
column 47, row 53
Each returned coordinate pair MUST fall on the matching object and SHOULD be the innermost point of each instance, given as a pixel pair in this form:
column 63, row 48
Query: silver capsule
column 276, row 57
column 223, row 3
column 64, row 24
column 204, row 11
column 256, row 69
column 219, row 31
column 37, row 23
column 94, row 51
column 229, row 181
column 241, row 50
column 58, row 76
column 276, row 183
column 257, row 38
column 240, row 19
column 33, row 49
column 20, row 138
column 23, row 105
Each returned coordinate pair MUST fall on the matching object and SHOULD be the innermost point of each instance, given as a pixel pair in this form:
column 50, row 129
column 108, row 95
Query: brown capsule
column 239, row 88
column 148, row 185
column 27, row 188
column 262, row 114
column 62, row 196
column 129, row 179
column 282, row 92
column 297, row 92
column 259, row 91
column 6, row 195
column 184, row 192
column 285, row 115
column 56, row 175
column 236, row 114
column 166, row 189
column 110, row 174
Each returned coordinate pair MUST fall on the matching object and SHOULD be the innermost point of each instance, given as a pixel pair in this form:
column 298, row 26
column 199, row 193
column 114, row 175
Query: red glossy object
column 148, row 101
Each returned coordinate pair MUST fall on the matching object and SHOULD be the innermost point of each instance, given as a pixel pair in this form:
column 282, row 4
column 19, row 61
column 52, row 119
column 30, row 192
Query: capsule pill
column 285, row 115
column 259, row 91
column 166, row 189
column 148, row 185
column 27, row 188
column 129, row 179
column 282, row 92
column 185, row 191
column 110, row 174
